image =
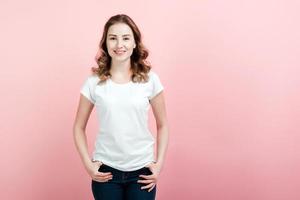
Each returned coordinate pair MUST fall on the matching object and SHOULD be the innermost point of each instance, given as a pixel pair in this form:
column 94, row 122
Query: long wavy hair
column 139, row 65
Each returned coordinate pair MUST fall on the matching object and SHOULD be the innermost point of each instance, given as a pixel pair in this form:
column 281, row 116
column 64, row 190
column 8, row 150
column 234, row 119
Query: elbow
column 78, row 129
column 161, row 125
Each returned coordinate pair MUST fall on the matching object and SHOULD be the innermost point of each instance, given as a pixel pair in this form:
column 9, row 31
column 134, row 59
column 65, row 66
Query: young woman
column 122, row 88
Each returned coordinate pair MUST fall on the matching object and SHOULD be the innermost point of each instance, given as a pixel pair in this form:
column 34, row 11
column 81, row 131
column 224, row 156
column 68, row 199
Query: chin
column 121, row 58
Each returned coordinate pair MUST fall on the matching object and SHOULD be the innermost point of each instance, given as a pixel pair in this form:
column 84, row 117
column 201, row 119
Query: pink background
column 232, row 89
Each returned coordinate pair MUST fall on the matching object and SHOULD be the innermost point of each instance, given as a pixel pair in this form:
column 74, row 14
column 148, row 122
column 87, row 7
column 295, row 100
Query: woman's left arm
column 160, row 114
column 159, row 111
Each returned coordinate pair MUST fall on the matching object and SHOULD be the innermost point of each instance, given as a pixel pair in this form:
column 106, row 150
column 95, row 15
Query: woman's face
column 120, row 41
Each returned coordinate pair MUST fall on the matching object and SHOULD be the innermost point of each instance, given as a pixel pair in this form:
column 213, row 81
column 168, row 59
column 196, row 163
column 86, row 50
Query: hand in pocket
column 150, row 180
column 96, row 175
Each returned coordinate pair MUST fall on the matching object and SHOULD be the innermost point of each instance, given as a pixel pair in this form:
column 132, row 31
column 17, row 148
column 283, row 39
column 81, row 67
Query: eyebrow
column 116, row 35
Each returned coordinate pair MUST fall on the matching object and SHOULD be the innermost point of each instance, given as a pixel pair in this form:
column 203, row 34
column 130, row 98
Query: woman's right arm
column 84, row 110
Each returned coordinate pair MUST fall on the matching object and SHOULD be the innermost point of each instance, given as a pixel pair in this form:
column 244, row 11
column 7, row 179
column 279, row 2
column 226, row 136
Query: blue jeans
column 123, row 185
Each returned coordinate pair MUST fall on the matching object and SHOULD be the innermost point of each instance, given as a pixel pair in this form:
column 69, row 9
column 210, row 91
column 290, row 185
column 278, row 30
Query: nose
column 119, row 43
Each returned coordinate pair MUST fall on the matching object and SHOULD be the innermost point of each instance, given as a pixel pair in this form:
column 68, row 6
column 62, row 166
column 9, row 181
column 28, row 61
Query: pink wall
column 231, row 77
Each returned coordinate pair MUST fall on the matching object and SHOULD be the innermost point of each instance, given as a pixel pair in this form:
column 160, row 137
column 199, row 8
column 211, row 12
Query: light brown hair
column 139, row 65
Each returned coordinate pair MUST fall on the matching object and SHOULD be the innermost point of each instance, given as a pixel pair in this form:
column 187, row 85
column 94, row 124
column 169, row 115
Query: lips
column 119, row 52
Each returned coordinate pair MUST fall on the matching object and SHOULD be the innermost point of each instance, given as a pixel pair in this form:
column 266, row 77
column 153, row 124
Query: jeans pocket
column 147, row 171
column 101, row 167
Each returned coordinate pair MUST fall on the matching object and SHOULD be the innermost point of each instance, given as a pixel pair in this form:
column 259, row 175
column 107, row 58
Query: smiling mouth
column 119, row 52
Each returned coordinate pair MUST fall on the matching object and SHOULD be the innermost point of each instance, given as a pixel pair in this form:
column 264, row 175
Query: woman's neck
column 123, row 67
column 121, row 70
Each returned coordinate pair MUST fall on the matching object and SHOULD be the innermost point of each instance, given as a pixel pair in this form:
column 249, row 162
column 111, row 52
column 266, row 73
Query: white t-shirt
column 123, row 140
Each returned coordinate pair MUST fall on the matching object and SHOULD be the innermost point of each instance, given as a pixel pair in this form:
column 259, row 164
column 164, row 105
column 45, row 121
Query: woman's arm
column 159, row 111
column 84, row 110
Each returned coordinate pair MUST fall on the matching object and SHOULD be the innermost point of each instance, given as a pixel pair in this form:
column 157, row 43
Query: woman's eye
column 115, row 38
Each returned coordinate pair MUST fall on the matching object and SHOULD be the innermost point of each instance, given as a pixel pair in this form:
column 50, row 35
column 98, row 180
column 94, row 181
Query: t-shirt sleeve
column 157, row 86
column 87, row 90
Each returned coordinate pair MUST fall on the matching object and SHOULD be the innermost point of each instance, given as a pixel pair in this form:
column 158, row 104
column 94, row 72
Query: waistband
column 109, row 168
